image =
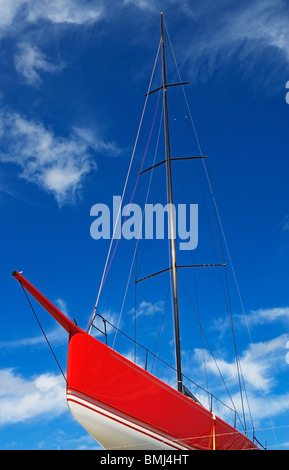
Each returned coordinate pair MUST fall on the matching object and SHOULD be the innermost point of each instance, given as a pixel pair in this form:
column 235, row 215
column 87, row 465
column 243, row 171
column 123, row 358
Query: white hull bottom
column 114, row 432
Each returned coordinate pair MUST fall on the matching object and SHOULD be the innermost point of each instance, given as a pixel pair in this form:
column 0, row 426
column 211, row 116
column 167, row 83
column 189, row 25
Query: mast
column 171, row 217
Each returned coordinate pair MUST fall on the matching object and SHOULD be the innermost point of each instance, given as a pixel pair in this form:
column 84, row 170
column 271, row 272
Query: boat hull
column 113, row 431
column 124, row 407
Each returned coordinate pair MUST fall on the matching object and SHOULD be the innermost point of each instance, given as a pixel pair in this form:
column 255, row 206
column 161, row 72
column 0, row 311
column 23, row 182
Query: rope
column 43, row 332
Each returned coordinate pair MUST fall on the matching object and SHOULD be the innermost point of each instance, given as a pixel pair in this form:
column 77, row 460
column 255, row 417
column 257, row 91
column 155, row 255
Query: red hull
column 110, row 394
column 110, row 381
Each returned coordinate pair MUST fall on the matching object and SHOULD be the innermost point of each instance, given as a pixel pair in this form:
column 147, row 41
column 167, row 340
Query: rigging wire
column 122, row 197
column 43, row 332
column 236, row 282
column 194, row 271
column 136, row 183
column 220, row 228
column 147, row 195
column 137, row 263
column 221, row 232
column 160, row 328
column 209, row 347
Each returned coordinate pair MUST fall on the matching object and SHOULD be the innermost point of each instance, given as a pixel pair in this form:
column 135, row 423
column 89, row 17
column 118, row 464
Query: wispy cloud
column 22, row 399
column 259, row 317
column 8, row 12
column 148, row 308
column 54, row 11
column 56, row 336
column 111, row 318
column 258, row 364
column 54, row 163
column 264, row 407
column 65, row 11
column 256, row 33
column 264, row 316
column 149, row 5
column 30, row 61
column 285, row 223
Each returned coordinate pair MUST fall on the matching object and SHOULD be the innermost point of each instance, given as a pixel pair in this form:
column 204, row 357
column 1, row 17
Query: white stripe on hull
column 114, row 432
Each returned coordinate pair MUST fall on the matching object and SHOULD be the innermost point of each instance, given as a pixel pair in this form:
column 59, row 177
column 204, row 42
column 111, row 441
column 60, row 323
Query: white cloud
column 263, row 21
column 56, row 164
column 264, row 316
column 111, row 318
column 262, row 366
column 247, row 30
column 285, row 223
column 56, row 11
column 263, row 407
column 30, row 61
column 142, row 4
column 222, row 29
column 22, row 399
column 61, row 304
column 65, row 11
column 57, row 336
column 259, row 317
column 258, row 364
column 8, row 11
column 94, row 141
column 260, row 360
column 148, row 308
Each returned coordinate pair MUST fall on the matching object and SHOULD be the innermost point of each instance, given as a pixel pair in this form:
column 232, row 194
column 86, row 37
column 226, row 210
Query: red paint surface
column 117, row 384
column 122, row 387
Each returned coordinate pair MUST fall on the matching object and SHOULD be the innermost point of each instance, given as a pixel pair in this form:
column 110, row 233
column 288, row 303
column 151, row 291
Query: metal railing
column 151, row 363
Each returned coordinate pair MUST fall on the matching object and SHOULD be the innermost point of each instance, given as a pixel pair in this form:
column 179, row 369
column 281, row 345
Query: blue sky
column 73, row 78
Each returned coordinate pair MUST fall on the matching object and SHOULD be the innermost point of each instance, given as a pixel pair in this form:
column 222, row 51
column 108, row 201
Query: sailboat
column 123, row 405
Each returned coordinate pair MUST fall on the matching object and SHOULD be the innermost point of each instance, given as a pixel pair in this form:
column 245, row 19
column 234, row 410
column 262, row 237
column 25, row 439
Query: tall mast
column 171, row 217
